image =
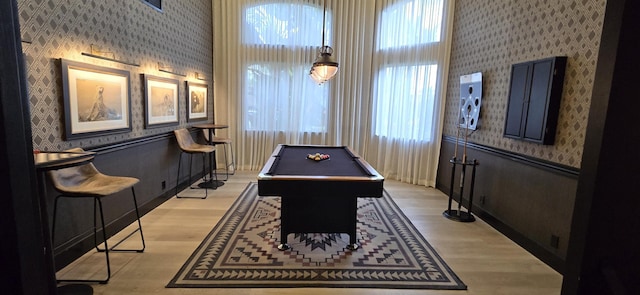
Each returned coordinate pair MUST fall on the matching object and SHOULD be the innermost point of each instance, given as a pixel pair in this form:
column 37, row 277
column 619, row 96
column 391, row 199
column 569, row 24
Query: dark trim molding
column 549, row 166
column 114, row 147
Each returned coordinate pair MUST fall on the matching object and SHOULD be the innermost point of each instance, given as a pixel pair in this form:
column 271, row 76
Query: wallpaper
column 179, row 37
column 490, row 36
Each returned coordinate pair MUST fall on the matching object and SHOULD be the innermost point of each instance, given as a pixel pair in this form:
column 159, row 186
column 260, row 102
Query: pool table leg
column 284, row 247
column 352, row 204
column 347, row 217
column 353, row 241
column 284, row 228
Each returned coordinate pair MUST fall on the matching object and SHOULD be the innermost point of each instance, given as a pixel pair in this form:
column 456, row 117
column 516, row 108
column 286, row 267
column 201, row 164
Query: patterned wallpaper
column 489, row 36
column 180, row 37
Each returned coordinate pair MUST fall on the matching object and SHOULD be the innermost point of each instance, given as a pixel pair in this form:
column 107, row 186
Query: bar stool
column 189, row 146
column 224, row 141
column 85, row 181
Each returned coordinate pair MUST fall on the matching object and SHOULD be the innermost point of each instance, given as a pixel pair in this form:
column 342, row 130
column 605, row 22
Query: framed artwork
column 156, row 4
column 161, row 101
column 197, row 101
column 96, row 100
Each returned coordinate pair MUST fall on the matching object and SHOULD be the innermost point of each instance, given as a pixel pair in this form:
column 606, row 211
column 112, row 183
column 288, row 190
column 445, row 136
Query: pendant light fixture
column 325, row 66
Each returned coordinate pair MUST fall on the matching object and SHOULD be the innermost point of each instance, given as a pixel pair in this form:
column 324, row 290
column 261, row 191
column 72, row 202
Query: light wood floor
column 486, row 261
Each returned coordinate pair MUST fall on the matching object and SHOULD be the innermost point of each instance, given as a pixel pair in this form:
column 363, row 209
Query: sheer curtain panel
column 410, row 66
column 385, row 102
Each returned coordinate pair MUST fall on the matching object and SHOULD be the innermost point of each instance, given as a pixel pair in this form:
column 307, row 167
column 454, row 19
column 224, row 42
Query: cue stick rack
column 460, row 215
column 468, row 114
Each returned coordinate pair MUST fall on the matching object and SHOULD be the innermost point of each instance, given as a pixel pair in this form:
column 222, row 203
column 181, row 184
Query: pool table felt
column 293, row 160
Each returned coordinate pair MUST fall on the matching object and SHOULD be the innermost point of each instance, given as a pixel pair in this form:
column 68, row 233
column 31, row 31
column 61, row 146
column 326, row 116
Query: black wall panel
column 528, row 200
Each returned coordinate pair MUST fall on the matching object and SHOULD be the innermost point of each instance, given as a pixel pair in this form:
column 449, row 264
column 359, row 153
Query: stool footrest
column 113, row 248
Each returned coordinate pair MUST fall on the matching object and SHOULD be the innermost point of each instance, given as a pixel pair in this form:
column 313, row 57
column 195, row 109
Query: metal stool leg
column 233, row 160
column 104, row 236
column 53, row 224
column 139, row 229
column 135, row 203
column 189, row 179
column 178, row 176
column 204, row 174
column 226, row 162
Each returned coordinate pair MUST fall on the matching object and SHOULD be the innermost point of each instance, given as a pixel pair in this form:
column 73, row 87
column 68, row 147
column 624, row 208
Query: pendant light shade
column 325, row 66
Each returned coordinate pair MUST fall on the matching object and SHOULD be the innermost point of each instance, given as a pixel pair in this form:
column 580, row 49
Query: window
column 422, row 18
column 280, row 41
column 408, row 70
column 272, row 103
column 408, row 93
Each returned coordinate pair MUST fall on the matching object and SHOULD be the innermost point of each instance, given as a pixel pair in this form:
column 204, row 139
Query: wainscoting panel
column 529, row 200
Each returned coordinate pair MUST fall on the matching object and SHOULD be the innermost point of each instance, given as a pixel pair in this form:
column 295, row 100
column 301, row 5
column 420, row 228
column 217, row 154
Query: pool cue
column 455, row 150
column 464, row 161
column 455, row 155
column 466, row 136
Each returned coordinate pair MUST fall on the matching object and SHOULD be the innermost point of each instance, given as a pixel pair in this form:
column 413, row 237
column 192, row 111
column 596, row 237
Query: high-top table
column 213, row 184
column 43, row 162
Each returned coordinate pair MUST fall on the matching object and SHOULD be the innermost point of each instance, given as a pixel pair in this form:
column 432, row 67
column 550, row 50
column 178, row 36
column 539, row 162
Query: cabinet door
column 534, row 100
column 542, row 73
column 518, row 94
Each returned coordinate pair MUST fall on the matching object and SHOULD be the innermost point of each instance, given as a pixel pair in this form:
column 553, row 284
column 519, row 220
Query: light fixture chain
column 324, row 20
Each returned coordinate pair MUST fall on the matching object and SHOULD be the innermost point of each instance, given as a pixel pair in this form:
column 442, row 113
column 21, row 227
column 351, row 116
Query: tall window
column 408, row 69
column 280, row 41
column 386, row 102
column 405, row 103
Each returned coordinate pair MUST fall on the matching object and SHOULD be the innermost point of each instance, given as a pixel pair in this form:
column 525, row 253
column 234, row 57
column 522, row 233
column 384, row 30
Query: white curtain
column 410, row 66
column 386, row 102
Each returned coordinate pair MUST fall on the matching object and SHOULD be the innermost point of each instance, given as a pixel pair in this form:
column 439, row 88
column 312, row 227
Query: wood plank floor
column 486, row 261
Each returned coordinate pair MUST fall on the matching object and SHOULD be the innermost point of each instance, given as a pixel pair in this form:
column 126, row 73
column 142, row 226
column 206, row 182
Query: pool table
column 318, row 196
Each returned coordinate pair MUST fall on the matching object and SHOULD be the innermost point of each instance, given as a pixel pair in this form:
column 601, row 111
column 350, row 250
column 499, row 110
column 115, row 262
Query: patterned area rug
column 241, row 251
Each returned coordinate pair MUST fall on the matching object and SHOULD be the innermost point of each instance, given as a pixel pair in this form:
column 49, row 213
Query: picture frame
column 97, row 100
column 161, row 101
column 197, row 101
column 156, row 4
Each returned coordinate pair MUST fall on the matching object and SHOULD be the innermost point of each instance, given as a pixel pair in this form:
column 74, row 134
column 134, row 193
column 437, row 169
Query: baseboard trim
column 552, row 260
